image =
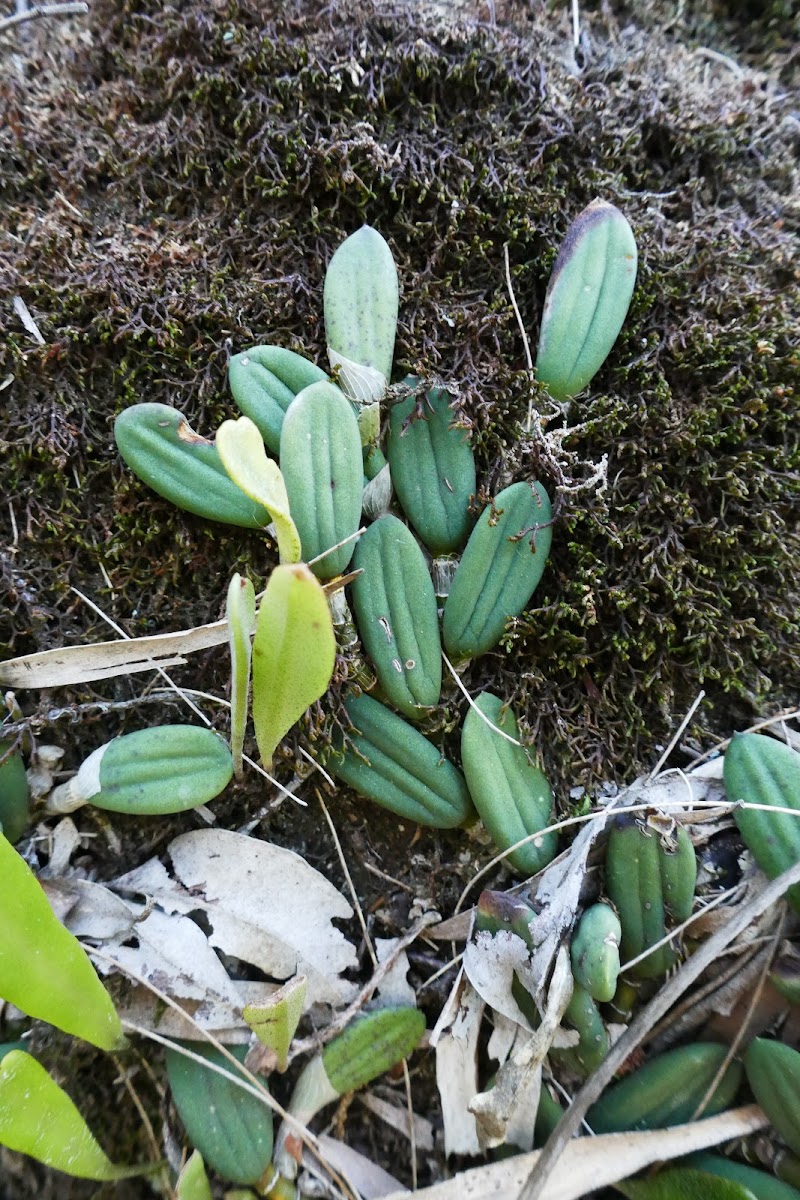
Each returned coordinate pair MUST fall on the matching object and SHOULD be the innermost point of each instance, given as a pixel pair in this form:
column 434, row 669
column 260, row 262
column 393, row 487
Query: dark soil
column 174, row 180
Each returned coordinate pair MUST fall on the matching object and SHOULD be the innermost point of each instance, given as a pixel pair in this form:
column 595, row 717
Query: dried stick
column 74, row 8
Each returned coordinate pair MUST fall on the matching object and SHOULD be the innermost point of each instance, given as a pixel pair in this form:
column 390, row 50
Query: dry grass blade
column 592, row 1163
column 105, row 660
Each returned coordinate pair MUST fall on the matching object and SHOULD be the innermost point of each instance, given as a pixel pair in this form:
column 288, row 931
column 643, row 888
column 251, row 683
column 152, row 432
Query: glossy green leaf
column 38, row 1118
column 241, row 449
column 294, row 652
column 44, row 970
column 683, row 1184
column 240, row 612
column 230, row 1127
column 14, row 792
column 193, row 1182
column 275, row 1022
column 762, row 1184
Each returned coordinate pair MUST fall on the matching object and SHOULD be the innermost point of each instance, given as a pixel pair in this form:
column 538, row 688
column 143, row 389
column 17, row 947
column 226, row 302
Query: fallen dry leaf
column 265, row 905
column 590, row 1163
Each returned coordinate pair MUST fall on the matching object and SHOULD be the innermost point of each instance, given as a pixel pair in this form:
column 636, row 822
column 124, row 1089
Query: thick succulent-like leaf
column 14, row 792
column 360, row 301
column 264, row 381
column 587, row 299
column 230, row 1127
column 684, row 1183
column 165, row 769
column 160, row 446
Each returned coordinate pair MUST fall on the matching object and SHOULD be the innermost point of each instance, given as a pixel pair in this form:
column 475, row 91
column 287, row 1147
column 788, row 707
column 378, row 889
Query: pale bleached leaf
column 362, row 385
column 397, row 1118
column 455, row 1039
column 89, row 910
column 490, row 962
column 153, row 880
column 63, row 841
column 591, row 1163
column 370, row 1180
column 504, row 1034
column 394, row 987
column 515, row 1094
column 267, row 906
column 172, row 952
column 105, row 660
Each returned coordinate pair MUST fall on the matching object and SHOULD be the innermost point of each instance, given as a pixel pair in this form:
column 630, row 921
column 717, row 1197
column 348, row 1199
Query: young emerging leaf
column 275, row 1022
column 230, row 1127
column 38, row 1118
column 166, row 769
column 594, row 952
column 43, row 969
column 587, row 299
column 264, row 381
column 193, row 1182
column 360, row 299
column 160, row 446
column 241, row 449
column 294, row 652
column 240, row 611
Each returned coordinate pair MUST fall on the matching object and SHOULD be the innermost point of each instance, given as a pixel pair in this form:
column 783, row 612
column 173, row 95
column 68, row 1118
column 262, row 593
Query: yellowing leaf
column 240, row 611
column 241, row 448
column 43, row 968
column 294, row 652
column 38, row 1118
column 275, row 1022
column 193, row 1182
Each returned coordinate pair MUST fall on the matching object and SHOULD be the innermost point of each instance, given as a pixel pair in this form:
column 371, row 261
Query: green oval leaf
column 230, row 1127
column 38, row 1118
column 360, row 299
column 294, row 652
column 14, row 792
column 165, row 769
column 44, row 970
column 160, row 446
column 587, row 299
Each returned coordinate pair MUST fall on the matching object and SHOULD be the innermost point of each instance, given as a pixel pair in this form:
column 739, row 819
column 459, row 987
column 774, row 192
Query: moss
column 213, row 160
